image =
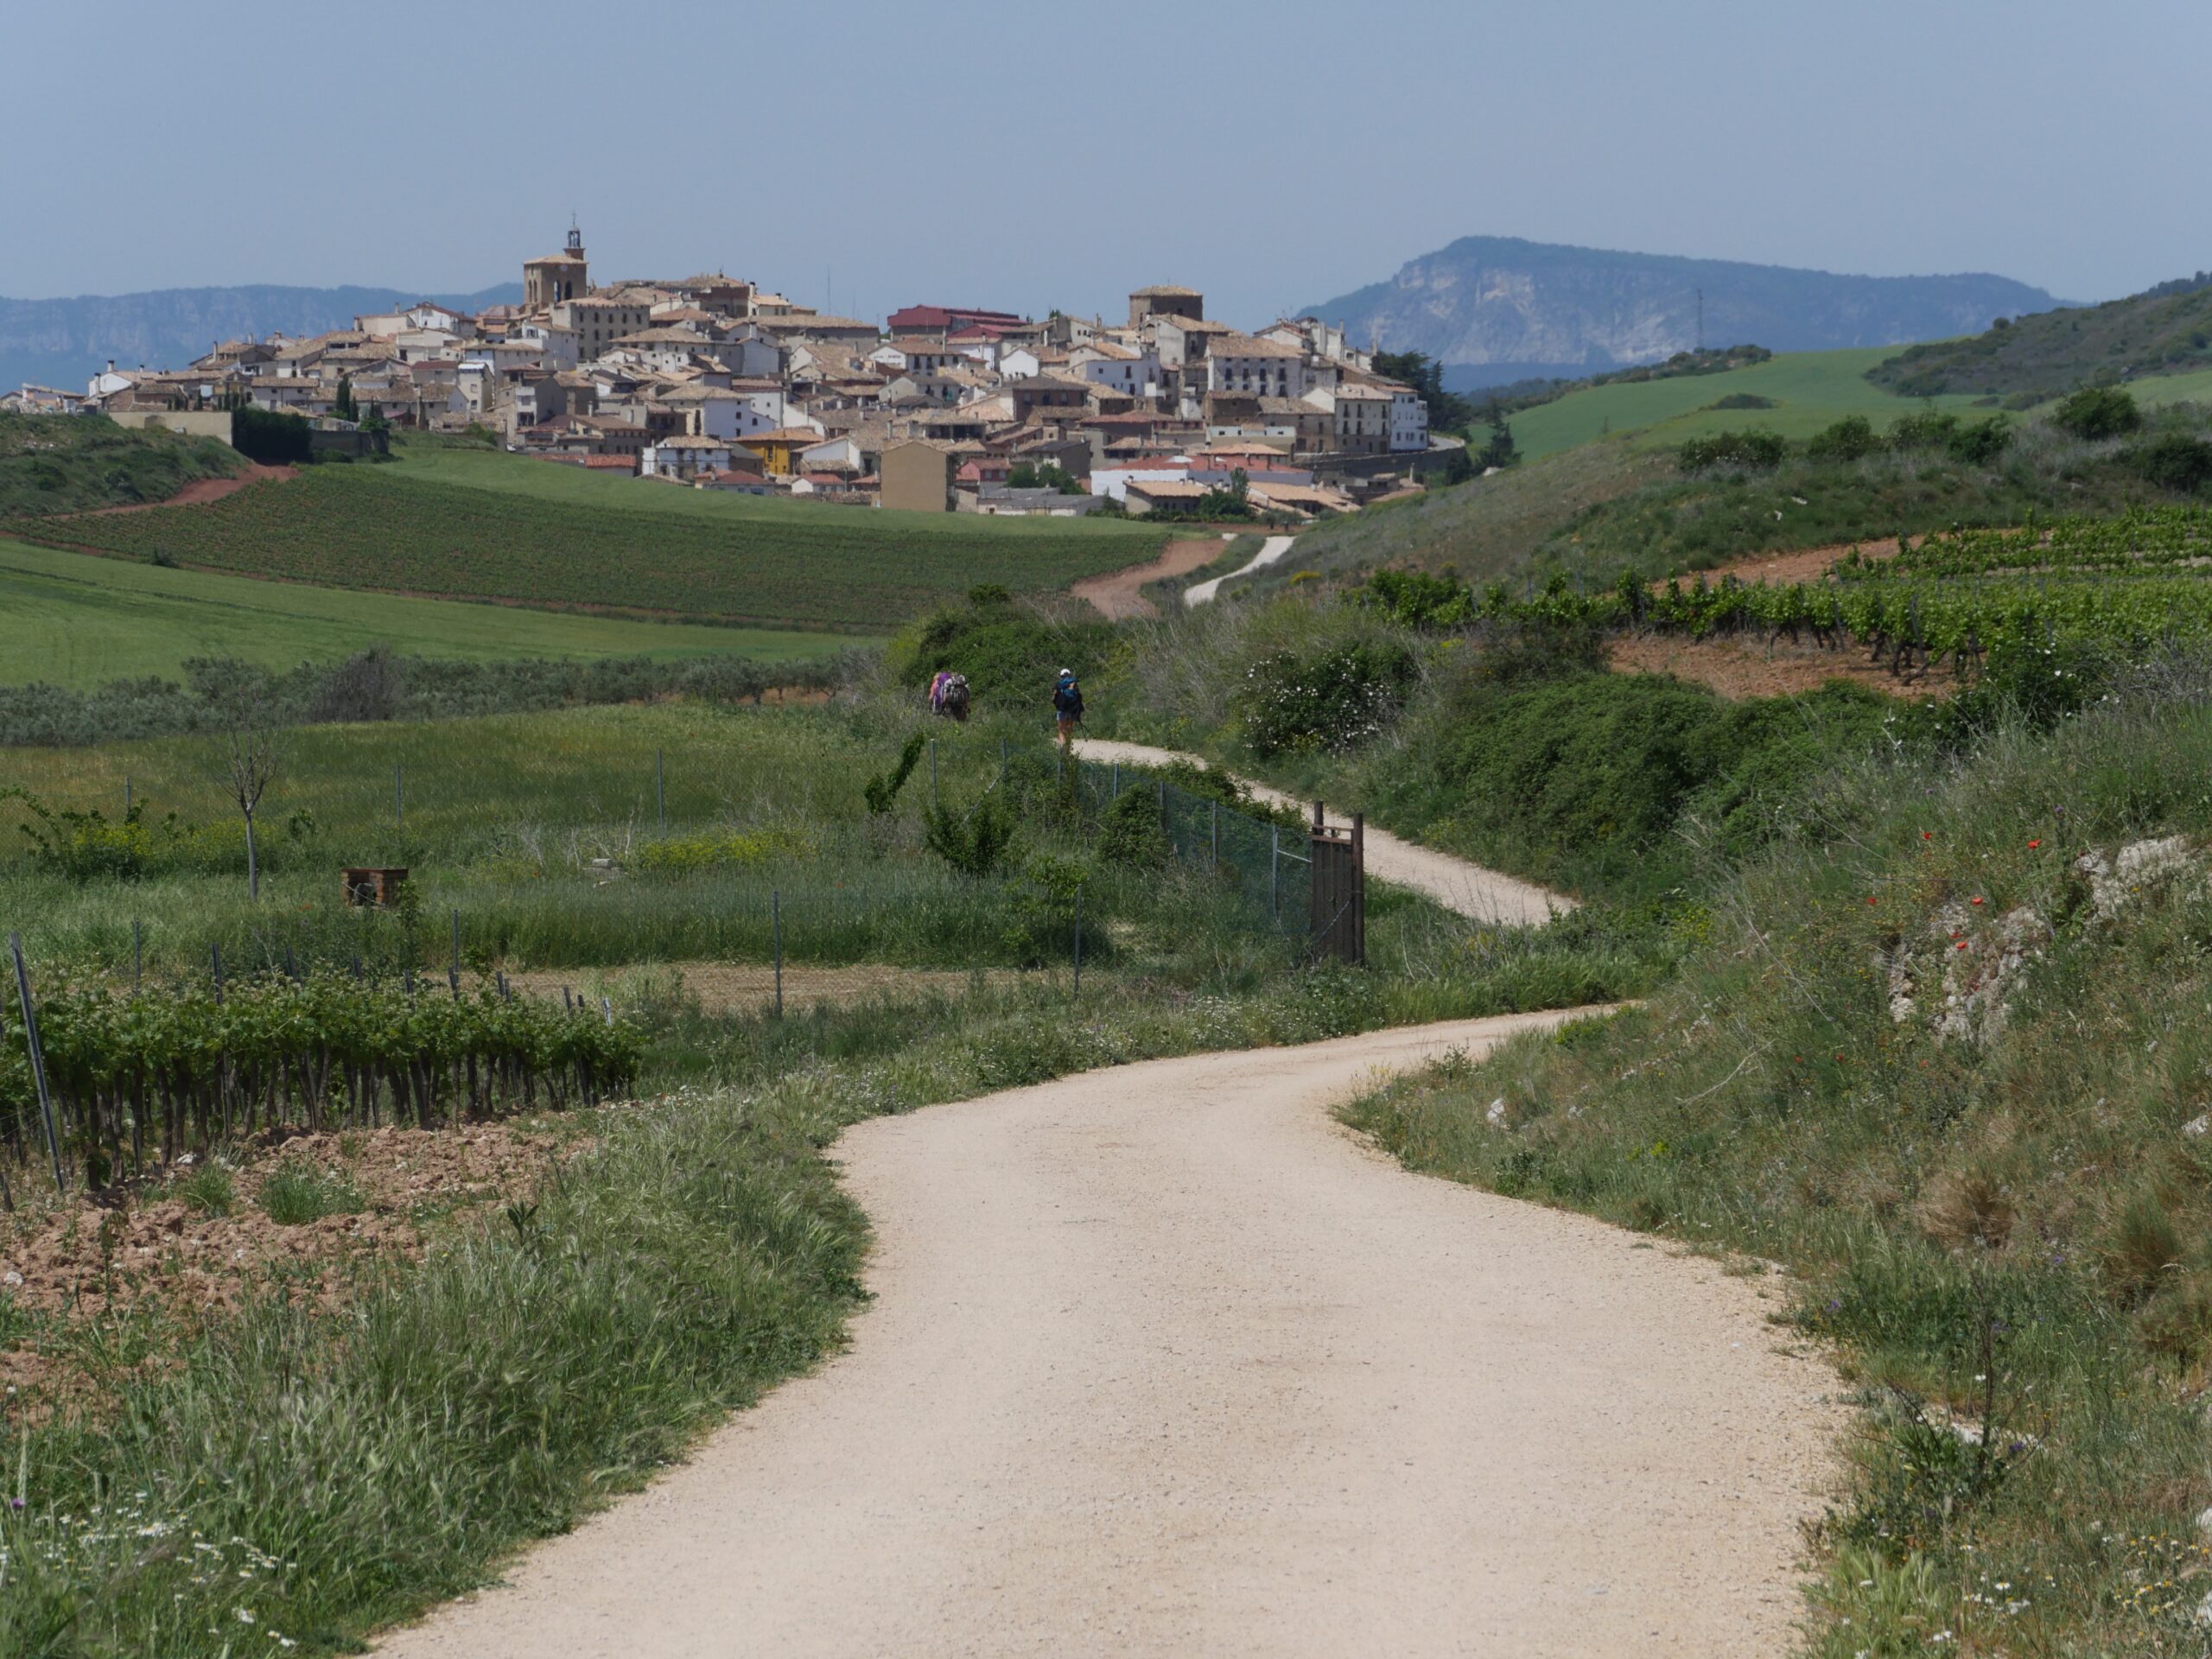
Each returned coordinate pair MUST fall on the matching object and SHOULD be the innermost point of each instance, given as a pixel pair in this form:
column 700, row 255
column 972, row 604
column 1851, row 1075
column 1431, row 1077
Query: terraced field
column 391, row 529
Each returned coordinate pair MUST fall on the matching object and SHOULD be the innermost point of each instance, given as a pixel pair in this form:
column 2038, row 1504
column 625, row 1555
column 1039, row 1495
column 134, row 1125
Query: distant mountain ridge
column 64, row 342
column 1504, row 306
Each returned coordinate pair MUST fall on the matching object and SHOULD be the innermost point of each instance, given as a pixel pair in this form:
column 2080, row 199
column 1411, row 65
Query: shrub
column 1134, row 832
column 881, row 791
column 974, row 844
column 1330, row 699
column 2172, row 461
column 1851, row 438
column 1741, row 400
column 1756, row 449
column 2098, row 412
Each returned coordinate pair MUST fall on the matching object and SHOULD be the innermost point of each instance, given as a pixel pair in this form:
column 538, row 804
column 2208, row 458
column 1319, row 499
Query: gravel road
column 1453, row 882
column 1162, row 1361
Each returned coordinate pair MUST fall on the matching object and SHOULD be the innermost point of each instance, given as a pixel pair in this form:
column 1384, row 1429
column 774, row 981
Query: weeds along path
column 1455, row 883
column 1161, row 1360
column 1271, row 550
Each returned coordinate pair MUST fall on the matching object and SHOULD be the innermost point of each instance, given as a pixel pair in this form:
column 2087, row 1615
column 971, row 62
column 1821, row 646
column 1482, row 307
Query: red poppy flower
column 2033, row 845
column 1977, row 901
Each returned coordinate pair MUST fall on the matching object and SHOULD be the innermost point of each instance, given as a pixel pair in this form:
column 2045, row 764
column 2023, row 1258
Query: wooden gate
column 1338, row 924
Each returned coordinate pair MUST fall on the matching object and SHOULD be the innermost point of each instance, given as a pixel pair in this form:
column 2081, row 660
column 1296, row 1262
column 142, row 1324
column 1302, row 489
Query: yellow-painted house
column 779, row 450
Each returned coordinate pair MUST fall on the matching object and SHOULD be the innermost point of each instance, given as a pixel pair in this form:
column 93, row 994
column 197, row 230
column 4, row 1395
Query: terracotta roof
column 1236, row 345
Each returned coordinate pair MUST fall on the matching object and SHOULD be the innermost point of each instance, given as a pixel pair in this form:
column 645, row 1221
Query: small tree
column 343, row 405
column 254, row 756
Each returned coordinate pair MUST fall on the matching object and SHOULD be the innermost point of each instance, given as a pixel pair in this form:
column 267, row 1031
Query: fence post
column 215, row 961
column 1274, row 871
column 37, row 1057
column 606, row 1007
column 660, row 788
column 453, row 973
column 776, row 916
column 1077, row 990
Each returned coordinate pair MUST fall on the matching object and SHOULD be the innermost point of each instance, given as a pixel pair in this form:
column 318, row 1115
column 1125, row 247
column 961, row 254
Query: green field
column 75, row 620
column 473, row 466
column 547, row 536
column 1810, row 390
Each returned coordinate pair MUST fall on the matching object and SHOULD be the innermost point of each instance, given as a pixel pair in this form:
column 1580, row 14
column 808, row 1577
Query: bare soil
column 1119, row 594
column 145, row 1254
column 1810, row 564
column 1160, row 1360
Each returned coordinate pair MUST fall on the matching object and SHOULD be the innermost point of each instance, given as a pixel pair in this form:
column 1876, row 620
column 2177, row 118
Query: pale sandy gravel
column 1270, row 550
column 1161, row 1361
column 1455, row 883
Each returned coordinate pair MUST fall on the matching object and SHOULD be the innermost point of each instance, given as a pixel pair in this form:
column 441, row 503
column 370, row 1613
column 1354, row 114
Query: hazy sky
column 1024, row 156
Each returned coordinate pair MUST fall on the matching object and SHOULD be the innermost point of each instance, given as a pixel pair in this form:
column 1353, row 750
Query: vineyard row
column 189, row 1067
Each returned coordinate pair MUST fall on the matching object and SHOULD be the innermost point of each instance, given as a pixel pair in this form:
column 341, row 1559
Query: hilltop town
column 711, row 381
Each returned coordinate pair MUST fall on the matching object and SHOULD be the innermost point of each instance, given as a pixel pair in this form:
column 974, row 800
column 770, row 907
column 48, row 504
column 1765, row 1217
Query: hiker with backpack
column 1067, row 706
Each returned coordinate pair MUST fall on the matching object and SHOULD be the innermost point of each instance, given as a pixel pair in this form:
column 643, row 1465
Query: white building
column 1256, row 367
column 1408, row 421
column 684, row 457
column 1117, row 367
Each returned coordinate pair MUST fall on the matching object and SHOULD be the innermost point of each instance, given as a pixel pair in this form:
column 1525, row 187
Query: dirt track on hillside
column 199, row 492
column 1119, row 594
column 1161, row 1361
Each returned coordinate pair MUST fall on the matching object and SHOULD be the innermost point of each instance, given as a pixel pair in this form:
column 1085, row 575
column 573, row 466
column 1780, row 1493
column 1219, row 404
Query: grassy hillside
column 2054, row 352
column 1806, row 390
column 392, row 529
column 75, row 620
column 69, row 463
column 1593, row 510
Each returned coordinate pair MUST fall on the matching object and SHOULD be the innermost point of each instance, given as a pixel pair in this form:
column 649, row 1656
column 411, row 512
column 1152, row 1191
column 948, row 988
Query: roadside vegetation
column 1936, row 1050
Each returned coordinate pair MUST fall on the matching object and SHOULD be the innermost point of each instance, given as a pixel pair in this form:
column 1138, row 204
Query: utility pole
column 1700, row 318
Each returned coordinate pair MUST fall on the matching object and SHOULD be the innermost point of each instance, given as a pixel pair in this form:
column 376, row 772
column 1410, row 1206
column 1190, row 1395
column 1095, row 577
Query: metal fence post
column 1077, row 990
column 660, row 788
column 1274, row 871
column 776, row 916
column 453, row 973
column 37, row 1058
column 1116, row 794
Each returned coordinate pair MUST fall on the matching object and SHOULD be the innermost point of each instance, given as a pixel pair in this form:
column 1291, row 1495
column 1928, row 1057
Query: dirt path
column 1271, row 550
column 1119, row 594
column 1161, row 1361
column 199, row 492
column 1453, row 882
column 746, row 987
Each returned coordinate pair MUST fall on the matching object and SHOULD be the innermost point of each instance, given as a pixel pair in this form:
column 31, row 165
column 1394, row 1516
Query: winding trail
column 1162, row 1361
column 1455, row 883
column 1271, row 550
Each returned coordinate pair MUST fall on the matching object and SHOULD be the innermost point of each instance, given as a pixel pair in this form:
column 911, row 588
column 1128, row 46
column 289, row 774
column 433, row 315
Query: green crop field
column 1810, row 390
column 75, row 620
column 446, row 461
column 394, row 530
